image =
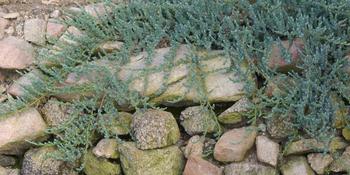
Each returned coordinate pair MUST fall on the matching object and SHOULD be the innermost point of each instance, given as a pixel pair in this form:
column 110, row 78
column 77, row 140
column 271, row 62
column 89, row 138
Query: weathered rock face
column 101, row 166
column 15, row 53
column 234, row 144
column 194, row 147
column 8, row 171
column 235, row 113
column 15, row 130
column 121, row 124
column 54, row 29
column 296, row 165
column 154, row 129
column 55, row 112
column 168, row 160
column 7, row 161
column 278, row 127
column 3, row 25
column 197, row 120
column 196, row 165
column 319, row 162
column 267, row 150
column 304, row 146
column 250, row 166
column 18, row 88
column 34, row 31
column 37, row 161
column 342, row 164
column 106, row 148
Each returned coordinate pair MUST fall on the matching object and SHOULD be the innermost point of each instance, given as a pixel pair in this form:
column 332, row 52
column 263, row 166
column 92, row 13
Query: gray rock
column 279, row 127
column 167, row 161
column 342, row 164
column 267, row 150
column 296, row 165
column 15, row 53
column 154, row 129
column 319, row 161
column 6, row 161
column 3, row 25
column 304, row 146
column 38, row 161
column 17, row 129
column 197, row 120
column 55, row 112
column 34, row 31
column 106, row 148
column 18, row 88
column 194, row 146
column 8, row 171
column 235, row 113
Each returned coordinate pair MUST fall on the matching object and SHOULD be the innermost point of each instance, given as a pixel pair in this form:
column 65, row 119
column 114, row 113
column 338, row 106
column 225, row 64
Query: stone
column 235, row 113
column 18, row 88
column 3, row 25
column 111, row 46
column 96, row 10
column 3, row 2
column 194, row 147
column 346, row 133
column 15, row 53
column 120, row 124
column 319, row 162
column 279, row 62
column 34, row 31
column 168, row 160
column 250, row 166
column 196, row 165
column 100, row 166
column 279, row 85
column 267, row 150
column 55, row 112
column 12, row 15
column 154, row 129
column 38, row 161
column 198, row 120
column 68, row 37
column 279, row 127
column 6, row 161
column 54, row 29
column 336, row 144
column 304, row 146
column 8, row 171
column 17, row 129
column 106, row 148
column 234, row 144
column 296, row 165
column 342, row 164
column 55, row 14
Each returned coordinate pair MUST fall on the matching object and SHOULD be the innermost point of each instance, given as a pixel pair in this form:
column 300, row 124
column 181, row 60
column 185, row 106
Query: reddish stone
column 196, row 165
column 54, row 29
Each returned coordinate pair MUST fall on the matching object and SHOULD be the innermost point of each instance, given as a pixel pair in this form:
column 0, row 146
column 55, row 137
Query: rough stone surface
column 194, row 146
column 106, row 148
column 196, row 165
column 15, row 53
column 34, row 31
column 55, row 112
column 234, row 144
column 346, row 133
column 8, row 171
column 278, row 127
column 111, row 46
column 12, row 15
column 197, row 120
column 7, row 160
column 342, row 164
column 235, row 113
column 296, row 165
column 37, row 161
column 3, row 25
column 96, row 10
column 267, row 150
column 319, row 162
column 155, row 129
column 167, row 161
column 16, row 129
column 54, row 29
column 99, row 166
column 18, row 88
column 250, row 166
column 304, row 146
column 121, row 124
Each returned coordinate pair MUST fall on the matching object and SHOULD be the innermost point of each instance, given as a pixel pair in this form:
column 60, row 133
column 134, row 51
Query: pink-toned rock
column 267, row 150
column 276, row 59
column 198, row 166
column 18, row 88
column 96, row 10
column 3, row 25
column 194, row 146
column 34, row 31
column 319, row 162
column 15, row 53
column 54, row 29
column 16, row 130
column 234, row 144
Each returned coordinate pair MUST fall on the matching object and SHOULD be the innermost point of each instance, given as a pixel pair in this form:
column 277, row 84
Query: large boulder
column 38, row 161
column 197, row 120
column 196, row 165
column 154, row 129
column 168, row 160
column 15, row 53
column 17, row 129
column 101, row 166
column 234, row 144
